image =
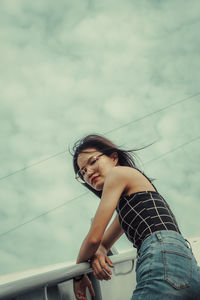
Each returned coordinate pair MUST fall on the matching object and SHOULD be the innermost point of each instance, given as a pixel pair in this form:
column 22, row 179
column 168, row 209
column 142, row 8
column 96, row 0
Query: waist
column 169, row 236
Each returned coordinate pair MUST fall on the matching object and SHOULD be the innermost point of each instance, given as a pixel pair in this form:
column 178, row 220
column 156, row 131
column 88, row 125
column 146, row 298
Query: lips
column 94, row 179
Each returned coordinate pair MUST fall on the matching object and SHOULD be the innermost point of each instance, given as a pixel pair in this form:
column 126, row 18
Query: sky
column 126, row 69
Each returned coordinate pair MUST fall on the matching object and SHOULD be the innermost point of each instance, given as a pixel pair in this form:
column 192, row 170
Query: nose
column 89, row 173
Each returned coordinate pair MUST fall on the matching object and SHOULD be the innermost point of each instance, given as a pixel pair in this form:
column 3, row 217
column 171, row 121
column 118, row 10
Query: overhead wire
column 32, row 165
column 108, row 132
column 172, row 150
column 155, row 112
column 43, row 214
column 83, row 194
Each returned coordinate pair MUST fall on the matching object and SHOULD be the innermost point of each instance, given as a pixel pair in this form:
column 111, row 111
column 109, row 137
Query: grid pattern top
column 142, row 213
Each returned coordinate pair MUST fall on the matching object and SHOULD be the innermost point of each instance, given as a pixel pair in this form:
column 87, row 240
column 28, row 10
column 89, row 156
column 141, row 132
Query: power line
column 172, row 150
column 43, row 214
column 65, row 203
column 154, row 112
column 117, row 128
column 32, row 165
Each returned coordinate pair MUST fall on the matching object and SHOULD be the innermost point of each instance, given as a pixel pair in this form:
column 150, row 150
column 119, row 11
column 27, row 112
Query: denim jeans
column 166, row 269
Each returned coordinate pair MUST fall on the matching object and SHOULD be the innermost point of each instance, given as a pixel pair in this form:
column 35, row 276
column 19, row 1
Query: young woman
column 166, row 267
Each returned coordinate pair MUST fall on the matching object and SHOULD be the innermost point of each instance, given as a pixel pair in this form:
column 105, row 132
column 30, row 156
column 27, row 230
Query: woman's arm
column 113, row 187
column 100, row 261
column 112, row 234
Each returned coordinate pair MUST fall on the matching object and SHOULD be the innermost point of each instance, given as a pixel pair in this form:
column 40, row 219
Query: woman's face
column 95, row 166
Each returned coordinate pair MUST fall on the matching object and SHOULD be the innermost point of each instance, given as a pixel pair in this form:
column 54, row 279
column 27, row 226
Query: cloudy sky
column 126, row 69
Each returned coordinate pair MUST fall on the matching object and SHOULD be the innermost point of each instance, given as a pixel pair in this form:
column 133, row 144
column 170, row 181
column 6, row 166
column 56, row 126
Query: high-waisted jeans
column 166, row 269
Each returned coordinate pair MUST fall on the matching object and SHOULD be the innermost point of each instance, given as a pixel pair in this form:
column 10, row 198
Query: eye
column 93, row 161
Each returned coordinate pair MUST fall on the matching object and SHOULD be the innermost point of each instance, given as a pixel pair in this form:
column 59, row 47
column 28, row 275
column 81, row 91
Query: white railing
column 55, row 282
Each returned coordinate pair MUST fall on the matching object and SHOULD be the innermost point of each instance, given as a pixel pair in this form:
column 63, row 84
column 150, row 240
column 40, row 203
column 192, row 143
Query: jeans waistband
column 161, row 236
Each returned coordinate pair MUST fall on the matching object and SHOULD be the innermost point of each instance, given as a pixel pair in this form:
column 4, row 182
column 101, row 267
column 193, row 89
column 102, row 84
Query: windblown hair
column 105, row 146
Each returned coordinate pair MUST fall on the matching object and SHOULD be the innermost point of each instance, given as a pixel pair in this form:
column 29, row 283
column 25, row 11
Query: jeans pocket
column 177, row 268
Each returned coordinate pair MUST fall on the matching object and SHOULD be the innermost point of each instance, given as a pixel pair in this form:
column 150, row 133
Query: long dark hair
column 105, row 146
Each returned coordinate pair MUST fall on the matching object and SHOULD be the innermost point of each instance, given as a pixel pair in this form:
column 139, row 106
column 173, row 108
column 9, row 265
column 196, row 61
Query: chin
column 98, row 187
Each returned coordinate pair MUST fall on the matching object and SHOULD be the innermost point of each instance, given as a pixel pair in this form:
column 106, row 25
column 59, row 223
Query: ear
column 115, row 157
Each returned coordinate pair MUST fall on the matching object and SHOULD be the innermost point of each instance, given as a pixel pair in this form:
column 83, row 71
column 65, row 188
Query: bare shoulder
column 132, row 179
column 122, row 173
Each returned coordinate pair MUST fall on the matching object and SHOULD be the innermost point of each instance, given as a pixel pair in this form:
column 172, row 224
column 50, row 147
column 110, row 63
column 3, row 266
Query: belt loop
column 189, row 245
column 159, row 237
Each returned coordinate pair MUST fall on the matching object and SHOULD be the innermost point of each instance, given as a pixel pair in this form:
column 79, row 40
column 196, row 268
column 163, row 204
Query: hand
column 81, row 286
column 100, row 262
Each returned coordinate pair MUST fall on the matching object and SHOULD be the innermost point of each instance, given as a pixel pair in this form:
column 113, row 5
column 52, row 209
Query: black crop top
column 142, row 213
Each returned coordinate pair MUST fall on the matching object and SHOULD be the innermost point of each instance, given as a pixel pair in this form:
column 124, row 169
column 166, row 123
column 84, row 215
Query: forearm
column 87, row 250
column 112, row 234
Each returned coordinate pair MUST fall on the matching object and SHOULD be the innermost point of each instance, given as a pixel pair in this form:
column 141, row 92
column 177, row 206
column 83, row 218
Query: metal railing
column 56, row 282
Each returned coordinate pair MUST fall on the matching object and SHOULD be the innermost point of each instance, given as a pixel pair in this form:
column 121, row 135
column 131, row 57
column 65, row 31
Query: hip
column 166, row 264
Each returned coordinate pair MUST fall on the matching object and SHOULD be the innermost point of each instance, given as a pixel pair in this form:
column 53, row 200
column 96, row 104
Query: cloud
column 68, row 70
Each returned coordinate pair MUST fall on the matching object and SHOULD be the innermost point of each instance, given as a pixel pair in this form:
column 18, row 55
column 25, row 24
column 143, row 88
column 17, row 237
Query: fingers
column 102, row 275
column 100, row 266
column 99, row 273
column 91, row 290
column 109, row 262
column 105, row 266
column 80, row 289
column 101, row 270
column 80, row 296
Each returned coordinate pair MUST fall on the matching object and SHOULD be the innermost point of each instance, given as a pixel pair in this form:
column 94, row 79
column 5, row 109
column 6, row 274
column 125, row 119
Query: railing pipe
column 15, row 287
